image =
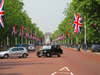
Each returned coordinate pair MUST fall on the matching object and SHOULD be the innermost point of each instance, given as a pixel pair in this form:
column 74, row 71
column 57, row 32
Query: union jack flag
column 30, row 36
column 67, row 33
column 77, row 23
column 14, row 31
column 1, row 13
column 34, row 34
column 22, row 32
column 26, row 35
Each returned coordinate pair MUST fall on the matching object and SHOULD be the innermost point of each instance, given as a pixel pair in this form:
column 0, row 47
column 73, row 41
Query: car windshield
column 46, row 47
column 7, row 49
column 95, row 45
column 31, row 45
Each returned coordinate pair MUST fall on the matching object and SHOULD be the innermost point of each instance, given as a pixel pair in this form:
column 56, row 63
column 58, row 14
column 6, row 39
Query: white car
column 31, row 47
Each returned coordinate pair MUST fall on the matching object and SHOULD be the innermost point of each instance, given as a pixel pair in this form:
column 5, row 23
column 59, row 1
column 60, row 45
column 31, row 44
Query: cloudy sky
column 48, row 14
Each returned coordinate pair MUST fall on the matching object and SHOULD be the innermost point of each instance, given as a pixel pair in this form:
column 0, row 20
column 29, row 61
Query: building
column 47, row 37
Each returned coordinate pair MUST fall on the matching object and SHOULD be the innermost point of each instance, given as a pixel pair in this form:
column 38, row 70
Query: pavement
column 83, row 50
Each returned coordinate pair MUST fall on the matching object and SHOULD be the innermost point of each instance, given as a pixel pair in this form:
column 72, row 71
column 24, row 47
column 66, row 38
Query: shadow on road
column 54, row 56
column 11, row 74
column 16, row 64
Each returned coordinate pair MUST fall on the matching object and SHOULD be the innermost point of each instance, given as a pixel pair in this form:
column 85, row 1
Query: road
column 70, row 63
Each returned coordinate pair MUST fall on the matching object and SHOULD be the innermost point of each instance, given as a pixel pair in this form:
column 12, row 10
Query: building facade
column 47, row 36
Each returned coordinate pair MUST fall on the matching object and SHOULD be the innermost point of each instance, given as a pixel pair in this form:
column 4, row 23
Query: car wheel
column 24, row 55
column 1, row 57
column 5, row 56
column 59, row 54
column 39, row 56
column 48, row 55
column 19, row 57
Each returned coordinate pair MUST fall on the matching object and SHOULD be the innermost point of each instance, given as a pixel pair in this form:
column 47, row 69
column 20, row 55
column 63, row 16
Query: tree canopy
column 90, row 10
column 14, row 14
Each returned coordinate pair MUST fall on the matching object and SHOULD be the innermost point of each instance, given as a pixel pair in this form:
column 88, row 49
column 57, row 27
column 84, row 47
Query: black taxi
column 50, row 50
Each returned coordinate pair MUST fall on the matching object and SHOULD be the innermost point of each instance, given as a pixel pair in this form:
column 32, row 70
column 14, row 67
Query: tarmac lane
column 70, row 63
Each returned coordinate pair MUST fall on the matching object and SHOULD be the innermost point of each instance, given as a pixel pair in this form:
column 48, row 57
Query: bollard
column 84, row 47
column 77, row 47
column 71, row 46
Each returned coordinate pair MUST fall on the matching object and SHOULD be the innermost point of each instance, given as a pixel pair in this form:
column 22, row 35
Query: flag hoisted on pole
column 14, row 31
column 77, row 23
column 1, row 13
column 22, row 33
column 67, row 33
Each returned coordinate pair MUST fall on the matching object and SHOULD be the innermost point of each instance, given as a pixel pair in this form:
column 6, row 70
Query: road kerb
column 82, row 50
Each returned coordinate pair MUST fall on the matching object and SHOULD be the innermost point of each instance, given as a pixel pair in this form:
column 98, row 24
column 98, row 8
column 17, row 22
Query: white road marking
column 53, row 73
column 64, row 68
column 64, row 72
column 71, row 73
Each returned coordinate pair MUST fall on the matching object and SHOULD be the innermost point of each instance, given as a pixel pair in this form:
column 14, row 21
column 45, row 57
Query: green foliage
column 89, row 9
column 14, row 14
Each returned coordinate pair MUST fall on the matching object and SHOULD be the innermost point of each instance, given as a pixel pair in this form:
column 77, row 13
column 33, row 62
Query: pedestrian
column 1, row 46
column 40, row 48
column 79, row 46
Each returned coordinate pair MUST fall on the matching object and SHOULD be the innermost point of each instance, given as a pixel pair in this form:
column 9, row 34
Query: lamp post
column 68, row 43
column 85, row 34
column 77, row 42
column 7, row 41
column 16, row 40
column 71, row 43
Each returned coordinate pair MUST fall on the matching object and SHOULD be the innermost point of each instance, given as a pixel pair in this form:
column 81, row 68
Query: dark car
column 95, row 47
column 50, row 50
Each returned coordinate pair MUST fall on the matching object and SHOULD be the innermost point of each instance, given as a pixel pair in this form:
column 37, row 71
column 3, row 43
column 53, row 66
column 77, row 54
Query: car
column 14, row 52
column 31, row 47
column 50, row 50
column 42, row 43
column 95, row 47
column 19, row 45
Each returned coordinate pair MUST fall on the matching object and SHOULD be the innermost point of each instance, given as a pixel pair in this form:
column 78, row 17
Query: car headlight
column 1, row 53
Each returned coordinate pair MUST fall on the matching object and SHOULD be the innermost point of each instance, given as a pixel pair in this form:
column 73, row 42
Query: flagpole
column 65, row 42
column 71, row 43
column 7, row 41
column 68, row 43
column 85, row 34
column 15, row 40
column 26, row 40
column 21, row 39
column 77, row 42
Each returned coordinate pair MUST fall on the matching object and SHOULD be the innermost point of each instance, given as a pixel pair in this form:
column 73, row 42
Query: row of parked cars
column 27, row 46
column 95, row 47
column 17, row 51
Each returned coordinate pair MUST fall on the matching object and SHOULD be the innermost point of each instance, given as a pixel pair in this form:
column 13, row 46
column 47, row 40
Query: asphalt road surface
column 70, row 63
